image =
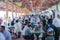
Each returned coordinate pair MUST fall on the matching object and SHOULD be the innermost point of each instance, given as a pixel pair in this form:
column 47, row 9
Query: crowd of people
column 31, row 26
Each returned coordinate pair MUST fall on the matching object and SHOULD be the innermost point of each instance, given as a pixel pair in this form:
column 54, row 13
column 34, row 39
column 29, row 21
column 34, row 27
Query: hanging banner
column 19, row 3
column 54, row 7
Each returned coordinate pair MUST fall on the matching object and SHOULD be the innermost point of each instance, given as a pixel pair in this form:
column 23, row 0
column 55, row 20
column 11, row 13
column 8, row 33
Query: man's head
column 50, row 21
column 2, row 28
column 17, row 21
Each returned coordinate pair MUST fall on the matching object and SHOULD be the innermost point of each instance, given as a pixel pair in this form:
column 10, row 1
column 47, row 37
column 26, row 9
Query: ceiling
column 36, row 4
column 31, row 5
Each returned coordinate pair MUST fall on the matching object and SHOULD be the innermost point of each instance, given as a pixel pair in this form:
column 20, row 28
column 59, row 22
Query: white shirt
column 56, row 22
column 17, row 27
column 2, row 36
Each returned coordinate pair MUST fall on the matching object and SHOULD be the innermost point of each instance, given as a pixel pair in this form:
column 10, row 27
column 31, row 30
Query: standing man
column 6, row 33
column 56, row 22
column 26, row 32
column 17, row 26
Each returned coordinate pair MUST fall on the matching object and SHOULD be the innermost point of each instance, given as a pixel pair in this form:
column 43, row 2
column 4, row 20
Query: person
column 1, row 35
column 56, row 22
column 32, row 20
column 44, row 21
column 49, row 29
column 12, row 22
column 6, row 33
column 37, row 32
column 17, row 26
column 9, row 20
column 26, row 32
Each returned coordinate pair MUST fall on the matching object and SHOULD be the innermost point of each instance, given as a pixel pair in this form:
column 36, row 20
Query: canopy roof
column 36, row 4
column 30, row 4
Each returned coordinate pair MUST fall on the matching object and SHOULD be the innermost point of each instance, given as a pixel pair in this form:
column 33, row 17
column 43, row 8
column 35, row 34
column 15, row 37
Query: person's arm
column 54, row 21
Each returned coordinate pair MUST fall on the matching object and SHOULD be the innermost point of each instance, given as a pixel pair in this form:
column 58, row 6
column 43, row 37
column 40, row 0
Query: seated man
column 6, row 33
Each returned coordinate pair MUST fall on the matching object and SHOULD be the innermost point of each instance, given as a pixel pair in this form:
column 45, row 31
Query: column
column 12, row 10
column 6, row 10
column 16, row 11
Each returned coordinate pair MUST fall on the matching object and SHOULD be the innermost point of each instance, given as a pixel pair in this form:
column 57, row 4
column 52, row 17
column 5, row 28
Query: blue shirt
column 2, row 36
column 7, row 35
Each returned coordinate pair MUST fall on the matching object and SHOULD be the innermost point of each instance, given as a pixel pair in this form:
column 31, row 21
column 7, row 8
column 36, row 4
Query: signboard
column 19, row 3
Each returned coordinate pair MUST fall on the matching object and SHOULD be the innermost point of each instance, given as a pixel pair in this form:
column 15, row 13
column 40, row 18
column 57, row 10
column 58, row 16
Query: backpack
column 49, row 30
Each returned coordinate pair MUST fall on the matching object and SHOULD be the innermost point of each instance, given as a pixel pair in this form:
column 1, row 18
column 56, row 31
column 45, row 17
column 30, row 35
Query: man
column 6, row 33
column 1, row 35
column 32, row 20
column 56, row 22
column 17, row 26
column 26, row 32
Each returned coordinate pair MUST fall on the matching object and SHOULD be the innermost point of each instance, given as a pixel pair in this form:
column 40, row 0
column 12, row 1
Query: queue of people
column 31, row 27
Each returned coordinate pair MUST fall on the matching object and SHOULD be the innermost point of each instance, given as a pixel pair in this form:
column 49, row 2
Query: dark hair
column 26, row 21
column 32, row 15
column 50, row 21
column 3, row 27
column 16, row 21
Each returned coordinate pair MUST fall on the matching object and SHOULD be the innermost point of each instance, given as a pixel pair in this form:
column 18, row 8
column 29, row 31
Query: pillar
column 6, row 10
column 12, row 10
column 16, row 11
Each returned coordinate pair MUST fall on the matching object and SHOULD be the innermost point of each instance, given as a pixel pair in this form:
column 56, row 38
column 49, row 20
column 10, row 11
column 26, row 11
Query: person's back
column 2, row 36
column 56, row 23
column 26, row 31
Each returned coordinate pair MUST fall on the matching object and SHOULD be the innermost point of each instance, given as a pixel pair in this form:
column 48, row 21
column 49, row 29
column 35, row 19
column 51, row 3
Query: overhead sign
column 19, row 3
column 26, row 11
